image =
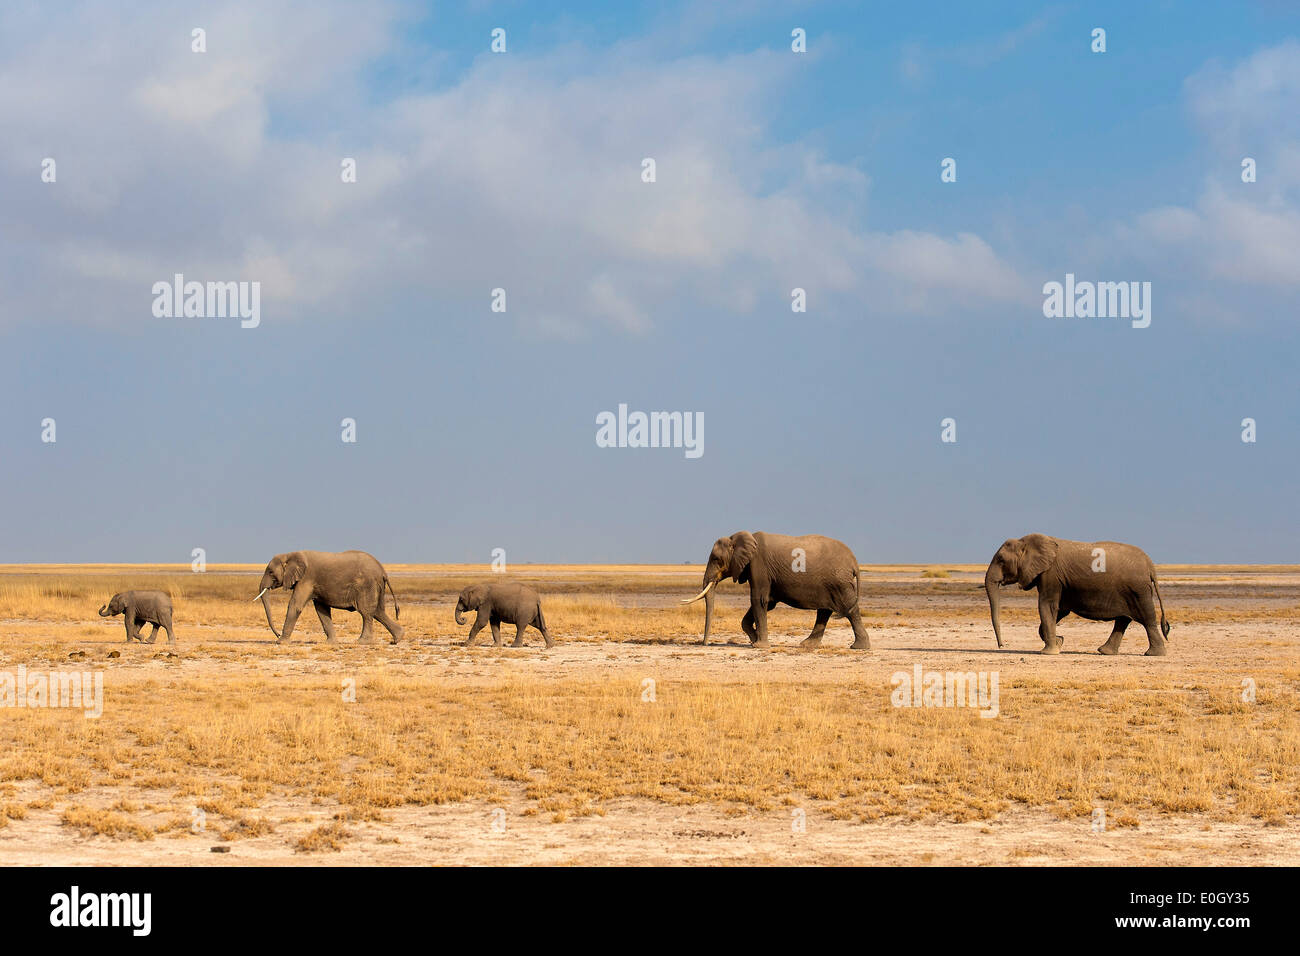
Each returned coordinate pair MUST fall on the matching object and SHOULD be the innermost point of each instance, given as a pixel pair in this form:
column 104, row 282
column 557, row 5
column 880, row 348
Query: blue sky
column 476, row 430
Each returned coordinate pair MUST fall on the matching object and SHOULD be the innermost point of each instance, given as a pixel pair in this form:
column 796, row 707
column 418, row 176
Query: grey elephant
column 811, row 572
column 140, row 608
column 348, row 580
column 507, row 601
column 1099, row 581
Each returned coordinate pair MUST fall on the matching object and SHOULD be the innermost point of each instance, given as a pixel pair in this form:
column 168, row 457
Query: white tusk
column 259, row 597
column 706, row 590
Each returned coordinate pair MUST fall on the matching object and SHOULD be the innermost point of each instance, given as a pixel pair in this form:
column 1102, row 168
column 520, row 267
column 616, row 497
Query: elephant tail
column 1164, row 622
column 397, row 611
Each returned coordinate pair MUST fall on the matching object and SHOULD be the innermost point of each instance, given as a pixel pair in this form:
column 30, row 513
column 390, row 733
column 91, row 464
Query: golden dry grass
column 235, row 722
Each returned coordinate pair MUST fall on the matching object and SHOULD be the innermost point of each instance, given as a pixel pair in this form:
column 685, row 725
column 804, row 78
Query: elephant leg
column 1047, row 627
column 296, row 604
column 760, row 624
column 366, row 636
column 1150, row 618
column 395, row 630
column 747, row 625
column 326, row 619
column 861, row 642
column 1061, row 614
column 1116, row 636
column 519, row 634
column 479, row 623
column 1156, row 645
column 153, row 634
column 495, row 623
column 130, row 634
column 819, row 628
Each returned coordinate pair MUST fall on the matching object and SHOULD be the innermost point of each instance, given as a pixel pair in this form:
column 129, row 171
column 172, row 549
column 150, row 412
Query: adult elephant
column 810, row 572
column 349, row 580
column 1099, row 580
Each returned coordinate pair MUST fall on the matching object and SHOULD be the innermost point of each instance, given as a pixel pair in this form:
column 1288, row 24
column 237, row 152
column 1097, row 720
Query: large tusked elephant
column 141, row 608
column 507, row 601
column 810, row 572
column 348, row 580
column 1100, row 581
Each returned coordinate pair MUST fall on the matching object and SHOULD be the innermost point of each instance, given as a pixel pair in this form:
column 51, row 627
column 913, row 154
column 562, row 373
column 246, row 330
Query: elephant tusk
column 259, row 597
column 706, row 590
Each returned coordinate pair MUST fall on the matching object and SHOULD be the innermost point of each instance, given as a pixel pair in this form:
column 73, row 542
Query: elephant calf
column 1099, row 581
column 140, row 608
column 515, row 604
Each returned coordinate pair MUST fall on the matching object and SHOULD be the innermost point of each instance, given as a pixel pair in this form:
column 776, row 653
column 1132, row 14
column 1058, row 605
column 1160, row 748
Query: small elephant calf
column 515, row 604
column 140, row 608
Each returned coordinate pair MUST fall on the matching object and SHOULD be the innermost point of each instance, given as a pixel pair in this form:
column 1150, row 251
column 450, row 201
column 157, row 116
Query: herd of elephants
column 1099, row 581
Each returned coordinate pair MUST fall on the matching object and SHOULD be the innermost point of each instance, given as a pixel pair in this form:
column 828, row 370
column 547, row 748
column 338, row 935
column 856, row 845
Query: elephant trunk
column 460, row 613
column 103, row 611
column 266, row 604
column 992, row 584
column 708, row 614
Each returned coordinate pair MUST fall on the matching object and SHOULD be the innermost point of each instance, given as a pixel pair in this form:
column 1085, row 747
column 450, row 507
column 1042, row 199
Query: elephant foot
column 1108, row 649
column 468, row 641
column 365, row 639
column 862, row 644
column 762, row 643
column 1052, row 648
column 1157, row 650
column 811, row 641
column 401, row 633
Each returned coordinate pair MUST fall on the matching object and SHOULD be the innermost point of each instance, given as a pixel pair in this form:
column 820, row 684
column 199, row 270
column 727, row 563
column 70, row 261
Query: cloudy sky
column 522, row 171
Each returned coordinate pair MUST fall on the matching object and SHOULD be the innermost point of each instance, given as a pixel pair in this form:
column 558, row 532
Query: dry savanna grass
column 309, row 744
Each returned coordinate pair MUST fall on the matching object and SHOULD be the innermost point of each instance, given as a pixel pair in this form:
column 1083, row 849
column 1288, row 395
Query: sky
column 523, row 170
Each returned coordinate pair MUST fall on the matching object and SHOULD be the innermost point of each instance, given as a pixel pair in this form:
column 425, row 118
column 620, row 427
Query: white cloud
column 1234, row 231
column 524, row 173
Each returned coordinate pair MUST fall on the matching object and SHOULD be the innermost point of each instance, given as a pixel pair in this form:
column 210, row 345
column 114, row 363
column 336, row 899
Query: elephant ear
column 743, row 549
column 295, row 566
column 1039, row 555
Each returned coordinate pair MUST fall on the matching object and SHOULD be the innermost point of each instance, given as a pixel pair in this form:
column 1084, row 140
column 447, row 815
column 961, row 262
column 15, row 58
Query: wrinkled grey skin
column 506, row 601
column 828, row 583
column 347, row 580
column 1062, row 571
column 140, row 608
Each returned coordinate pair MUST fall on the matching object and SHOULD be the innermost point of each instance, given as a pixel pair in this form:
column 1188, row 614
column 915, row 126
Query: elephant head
column 469, row 600
column 1018, row 561
column 282, row 571
column 730, row 558
column 116, row 605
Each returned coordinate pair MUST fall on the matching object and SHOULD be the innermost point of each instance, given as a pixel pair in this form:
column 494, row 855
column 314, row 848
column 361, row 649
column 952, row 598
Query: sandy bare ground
column 643, row 833
column 1235, row 626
